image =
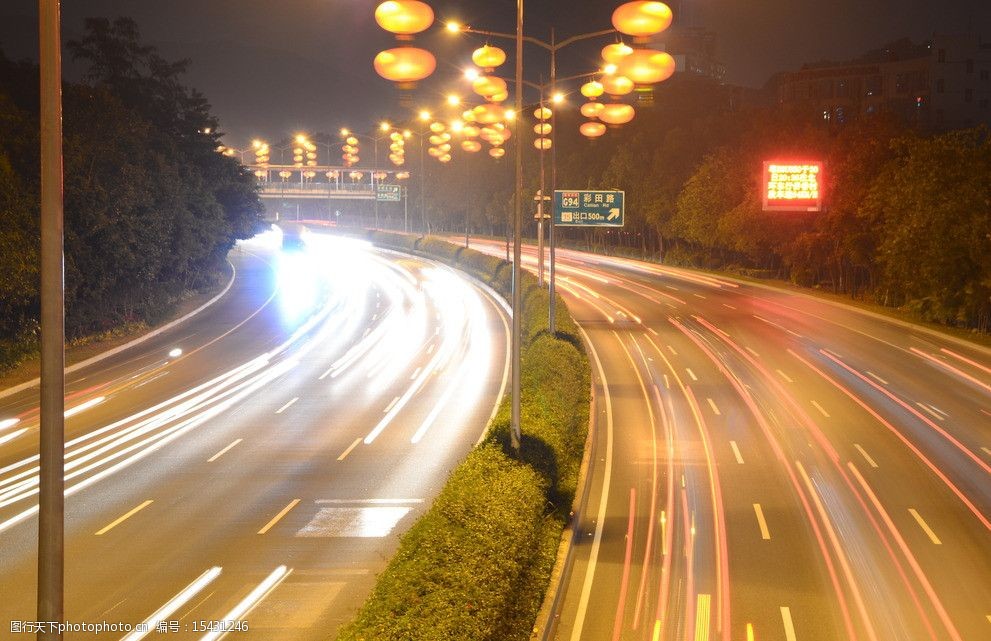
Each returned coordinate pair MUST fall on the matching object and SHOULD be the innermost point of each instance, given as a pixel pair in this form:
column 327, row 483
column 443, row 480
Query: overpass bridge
column 289, row 182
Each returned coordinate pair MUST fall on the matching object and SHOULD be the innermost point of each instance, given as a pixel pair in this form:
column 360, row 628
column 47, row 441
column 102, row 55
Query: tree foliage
column 150, row 208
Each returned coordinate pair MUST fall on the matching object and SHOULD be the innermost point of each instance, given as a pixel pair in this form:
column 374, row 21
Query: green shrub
column 458, row 569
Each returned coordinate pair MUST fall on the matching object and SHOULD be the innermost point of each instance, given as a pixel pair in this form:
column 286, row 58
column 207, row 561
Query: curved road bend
column 264, row 474
column 772, row 466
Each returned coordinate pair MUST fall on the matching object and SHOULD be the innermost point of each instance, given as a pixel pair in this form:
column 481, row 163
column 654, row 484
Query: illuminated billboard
column 792, row 186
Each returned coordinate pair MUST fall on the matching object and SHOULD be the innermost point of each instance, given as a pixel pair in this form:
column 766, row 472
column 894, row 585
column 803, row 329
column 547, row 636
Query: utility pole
column 51, row 463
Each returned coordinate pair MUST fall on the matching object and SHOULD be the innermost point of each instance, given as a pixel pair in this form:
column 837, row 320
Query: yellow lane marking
column 736, row 452
column 789, row 625
column 925, row 527
column 278, row 517
column 124, row 518
column 712, row 404
column 820, row 408
column 702, row 617
column 223, row 451
column 867, row 457
column 348, row 451
column 762, row 522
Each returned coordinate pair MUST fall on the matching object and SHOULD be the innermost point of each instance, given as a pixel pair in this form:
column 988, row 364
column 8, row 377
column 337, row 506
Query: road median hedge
column 476, row 565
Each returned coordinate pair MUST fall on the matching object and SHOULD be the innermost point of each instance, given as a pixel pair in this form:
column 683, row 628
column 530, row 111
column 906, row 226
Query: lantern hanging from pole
column 543, row 144
column 592, row 89
column 405, row 65
column 542, row 129
column 471, row 146
column 592, row 129
column 642, row 19
column 615, row 52
column 617, row 114
column 646, row 66
column 404, row 17
column 497, row 152
column 592, row 109
column 488, row 57
column 616, row 85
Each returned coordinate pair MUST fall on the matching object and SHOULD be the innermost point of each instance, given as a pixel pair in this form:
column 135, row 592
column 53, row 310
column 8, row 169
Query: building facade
column 942, row 84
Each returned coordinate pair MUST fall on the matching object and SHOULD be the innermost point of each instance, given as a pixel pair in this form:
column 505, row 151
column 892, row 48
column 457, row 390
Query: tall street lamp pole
column 51, row 475
column 552, row 48
column 515, row 435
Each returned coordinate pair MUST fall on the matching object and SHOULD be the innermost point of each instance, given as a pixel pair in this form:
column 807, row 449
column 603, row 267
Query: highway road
column 263, row 474
column 767, row 465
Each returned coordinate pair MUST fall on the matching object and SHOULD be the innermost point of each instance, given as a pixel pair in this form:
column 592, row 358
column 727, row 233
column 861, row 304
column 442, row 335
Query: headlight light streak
column 176, row 602
column 248, row 603
column 469, row 375
column 448, row 292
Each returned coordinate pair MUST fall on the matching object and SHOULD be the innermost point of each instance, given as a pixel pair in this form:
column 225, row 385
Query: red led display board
column 792, row 186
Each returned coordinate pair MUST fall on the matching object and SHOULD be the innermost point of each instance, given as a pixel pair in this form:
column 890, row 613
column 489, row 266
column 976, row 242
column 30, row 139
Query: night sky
column 277, row 66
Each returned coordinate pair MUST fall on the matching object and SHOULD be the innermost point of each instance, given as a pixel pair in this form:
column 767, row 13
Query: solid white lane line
column 925, row 527
column 762, row 522
column 12, row 435
column 728, row 306
column 286, row 406
column 430, row 350
column 72, row 411
column 867, row 457
column 241, row 610
column 785, row 376
column 9, row 422
column 789, row 625
column 329, row 371
column 348, row 451
column 698, row 295
column 692, row 374
column 176, row 602
column 123, row 518
column 712, row 404
column 586, row 593
column 415, row 373
column 223, row 451
column 278, row 517
column 820, row 408
column 736, row 452
column 391, row 405
column 929, row 411
column 876, row 377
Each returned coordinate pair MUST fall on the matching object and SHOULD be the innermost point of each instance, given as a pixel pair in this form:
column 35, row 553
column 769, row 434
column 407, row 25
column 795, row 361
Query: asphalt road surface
column 771, row 466
column 260, row 477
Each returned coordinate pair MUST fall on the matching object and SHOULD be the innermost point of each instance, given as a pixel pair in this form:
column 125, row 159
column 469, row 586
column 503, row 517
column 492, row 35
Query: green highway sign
column 388, row 193
column 588, row 208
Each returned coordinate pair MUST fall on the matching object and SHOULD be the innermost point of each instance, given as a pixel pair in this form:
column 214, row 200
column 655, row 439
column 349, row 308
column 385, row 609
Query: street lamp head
column 424, row 115
column 453, row 27
column 557, row 98
column 345, row 132
column 301, row 138
column 407, row 134
column 385, row 126
column 453, row 100
column 510, row 115
column 609, row 68
column 471, row 75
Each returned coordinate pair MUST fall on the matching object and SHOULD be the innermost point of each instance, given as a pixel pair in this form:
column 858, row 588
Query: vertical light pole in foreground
column 517, row 238
column 51, row 474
